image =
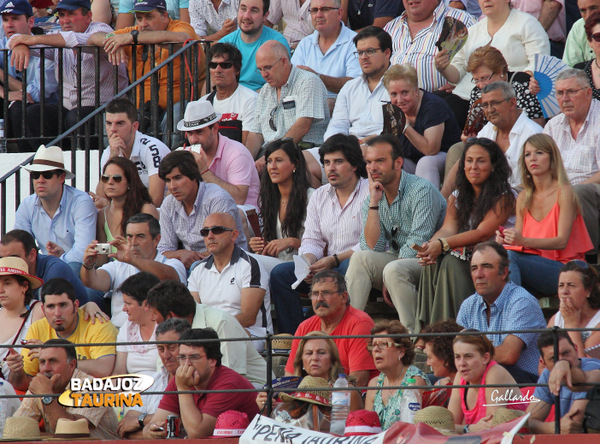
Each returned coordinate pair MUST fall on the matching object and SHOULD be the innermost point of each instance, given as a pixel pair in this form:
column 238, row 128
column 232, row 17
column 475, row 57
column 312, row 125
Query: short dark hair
column 385, row 40
column 338, row 278
column 184, row 160
column 67, row 346
column 21, row 236
column 123, row 105
column 504, row 261
column 145, row 218
column 266, row 6
column 442, row 345
column 57, row 286
column 138, row 285
column 172, row 296
column 226, row 49
column 394, row 142
column 349, row 146
column 212, row 348
column 178, row 325
column 546, row 339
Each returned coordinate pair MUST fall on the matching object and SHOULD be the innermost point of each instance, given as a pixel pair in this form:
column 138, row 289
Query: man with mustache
column 136, row 253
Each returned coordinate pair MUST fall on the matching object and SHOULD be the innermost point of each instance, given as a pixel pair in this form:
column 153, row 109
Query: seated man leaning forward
column 572, row 404
column 201, row 369
column 58, row 364
column 64, row 319
column 336, row 317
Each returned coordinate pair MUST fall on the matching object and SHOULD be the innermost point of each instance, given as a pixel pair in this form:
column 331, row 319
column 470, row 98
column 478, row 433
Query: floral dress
column 390, row 414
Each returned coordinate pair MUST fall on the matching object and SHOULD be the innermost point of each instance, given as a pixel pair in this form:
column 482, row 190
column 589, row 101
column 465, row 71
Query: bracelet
column 374, row 207
column 90, row 268
column 441, row 243
column 337, row 260
column 466, row 429
column 204, row 172
column 408, row 125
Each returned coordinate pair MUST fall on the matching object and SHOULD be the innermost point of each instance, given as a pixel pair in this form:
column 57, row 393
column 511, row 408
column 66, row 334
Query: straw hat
column 231, row 424
column 198, row 114
column 15, row 266
column 49, row 159
column 21, row 428
column 503, row 415
column 307, row 391
column 437, row 417
column 65, row 428
column 362, row 423
column 282, row 343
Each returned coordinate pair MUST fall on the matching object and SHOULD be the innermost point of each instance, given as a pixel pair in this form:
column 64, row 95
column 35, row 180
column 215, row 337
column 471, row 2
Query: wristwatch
column 141, row 420
column 445, row 244
column 47, row 400
column 134, row 34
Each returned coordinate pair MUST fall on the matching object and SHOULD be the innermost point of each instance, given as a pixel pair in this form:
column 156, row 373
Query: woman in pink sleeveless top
column 550, row 230
column 473, row 408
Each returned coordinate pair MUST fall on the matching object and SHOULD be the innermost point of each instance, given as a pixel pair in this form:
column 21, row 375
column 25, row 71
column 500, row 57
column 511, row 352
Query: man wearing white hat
column 61, row 218
column 221, row 161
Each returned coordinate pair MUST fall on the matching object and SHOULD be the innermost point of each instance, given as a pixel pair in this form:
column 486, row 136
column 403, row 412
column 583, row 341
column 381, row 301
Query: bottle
column 340, row 406
column 410, row 403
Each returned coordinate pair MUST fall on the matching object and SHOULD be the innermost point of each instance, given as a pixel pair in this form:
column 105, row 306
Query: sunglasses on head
column 215, row 230
column 224, row 65
column 116, row 177
column 596, row 36
column 35, row 175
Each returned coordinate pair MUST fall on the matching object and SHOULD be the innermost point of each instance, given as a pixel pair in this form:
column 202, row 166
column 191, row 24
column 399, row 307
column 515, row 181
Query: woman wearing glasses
column 483, row 200
column 393, row 358
column 127, row 195
column 592, row 68
column 550, row 230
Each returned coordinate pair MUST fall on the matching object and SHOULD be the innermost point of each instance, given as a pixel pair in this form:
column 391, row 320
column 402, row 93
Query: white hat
column 48, row 159
column 198, row 114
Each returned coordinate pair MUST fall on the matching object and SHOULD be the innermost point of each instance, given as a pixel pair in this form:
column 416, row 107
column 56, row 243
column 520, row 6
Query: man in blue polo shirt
column 250, row 36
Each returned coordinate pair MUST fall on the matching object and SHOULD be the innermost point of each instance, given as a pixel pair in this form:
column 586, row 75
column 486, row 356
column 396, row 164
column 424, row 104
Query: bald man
column 230, row 279
column 292, row 103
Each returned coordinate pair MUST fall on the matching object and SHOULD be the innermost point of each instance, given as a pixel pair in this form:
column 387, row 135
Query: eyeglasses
column 596, row 36
column 116, row 177
column 368, row 52
column 579, row 262
column 567, row 92
column 324, row 9
column 482, row 79
column 272, row 119
column 268, row 68
column 324, row 294
column 214, row 230
column 493, row 103
column 382, row 345
column 394, row 242
column 192, row 358
column 35, row 175
column 224, row 65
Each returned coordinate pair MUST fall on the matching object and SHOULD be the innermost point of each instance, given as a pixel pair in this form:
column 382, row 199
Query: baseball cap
column 18, row 7
column 149, row 5
column 72, row 5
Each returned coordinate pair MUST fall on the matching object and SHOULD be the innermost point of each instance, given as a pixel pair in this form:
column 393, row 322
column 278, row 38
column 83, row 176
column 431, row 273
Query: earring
column 294, row 170
column 399, row 358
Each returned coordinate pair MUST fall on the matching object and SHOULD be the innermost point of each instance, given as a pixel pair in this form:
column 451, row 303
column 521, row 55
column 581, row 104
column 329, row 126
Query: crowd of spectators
column 344, row 156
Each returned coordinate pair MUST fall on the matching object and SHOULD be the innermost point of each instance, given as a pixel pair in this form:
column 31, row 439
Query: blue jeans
column 535, row 272
column 288, row 306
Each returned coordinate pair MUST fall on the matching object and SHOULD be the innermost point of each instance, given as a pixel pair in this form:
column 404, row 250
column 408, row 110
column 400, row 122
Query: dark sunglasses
column 116, row 177
column 224, row 65
column 215, row 230
column 596, row 36
column 35, row 175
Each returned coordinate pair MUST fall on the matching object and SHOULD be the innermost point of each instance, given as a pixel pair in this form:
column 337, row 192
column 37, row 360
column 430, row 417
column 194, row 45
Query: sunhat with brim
column 198, row 114
column 66, row 428
column 282, row 343
column 307, row 392
column 502, row 415
column 15, row 266
column 48, row 159
column 437, row 417
column 362, row 423
column 231, row 424
column 21, row 428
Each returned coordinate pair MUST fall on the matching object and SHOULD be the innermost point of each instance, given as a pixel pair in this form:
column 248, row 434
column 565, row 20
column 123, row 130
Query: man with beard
column 64, row 319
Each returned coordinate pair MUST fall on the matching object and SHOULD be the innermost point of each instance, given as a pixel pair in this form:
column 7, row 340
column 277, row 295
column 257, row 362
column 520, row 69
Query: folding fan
column 545, row 71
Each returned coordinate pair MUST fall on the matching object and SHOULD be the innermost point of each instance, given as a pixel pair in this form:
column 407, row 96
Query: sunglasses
column 596, row 36
column 224, row 65
column 214, row 230
column 116, row 177
column 35, row 175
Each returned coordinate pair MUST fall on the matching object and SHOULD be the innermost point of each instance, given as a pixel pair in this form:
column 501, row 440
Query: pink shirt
column 233, row 163
column 558, row 29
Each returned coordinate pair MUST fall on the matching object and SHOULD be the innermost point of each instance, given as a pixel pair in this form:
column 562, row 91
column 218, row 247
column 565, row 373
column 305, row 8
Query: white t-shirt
column 141, row 358
column 239, row 106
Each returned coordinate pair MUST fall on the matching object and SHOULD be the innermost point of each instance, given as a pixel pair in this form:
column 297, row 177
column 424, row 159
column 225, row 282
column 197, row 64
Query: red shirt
column 353, row 352
column 214, row 404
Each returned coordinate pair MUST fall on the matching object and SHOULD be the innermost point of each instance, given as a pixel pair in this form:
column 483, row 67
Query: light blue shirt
column 338, row 61
column 248, row 76
column 173, row 7
column 33, row 76
column 73, row 226
column 514, row 309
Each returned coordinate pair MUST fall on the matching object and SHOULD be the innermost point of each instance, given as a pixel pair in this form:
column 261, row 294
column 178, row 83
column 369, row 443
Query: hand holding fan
column 546, row 70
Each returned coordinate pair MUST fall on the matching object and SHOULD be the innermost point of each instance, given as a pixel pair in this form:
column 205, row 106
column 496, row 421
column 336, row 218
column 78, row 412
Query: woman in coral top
column 550, row 230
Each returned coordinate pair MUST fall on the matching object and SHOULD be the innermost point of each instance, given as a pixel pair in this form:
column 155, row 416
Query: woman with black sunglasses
column 592, row 67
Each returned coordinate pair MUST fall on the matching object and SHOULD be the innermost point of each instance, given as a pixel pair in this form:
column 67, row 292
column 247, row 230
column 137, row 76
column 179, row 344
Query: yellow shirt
column 85, row 333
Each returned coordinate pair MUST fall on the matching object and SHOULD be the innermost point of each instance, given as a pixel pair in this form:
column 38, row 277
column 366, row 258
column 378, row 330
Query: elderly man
column 293, row 103
column 577, row 49
column 576, row 131
column 499, row 305
column 415, row 33
column 329, row 51
column 230, row 279
column 134, row 254
column 336, row 317
column 58, row 364
column 221, row 160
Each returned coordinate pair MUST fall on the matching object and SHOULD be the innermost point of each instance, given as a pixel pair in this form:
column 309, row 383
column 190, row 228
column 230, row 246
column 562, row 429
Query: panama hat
column 66, row 428
column 437, row 417
column 15, row 266
column 307, row 391
column 21, row 428
column 48, row 159
column 198, row 115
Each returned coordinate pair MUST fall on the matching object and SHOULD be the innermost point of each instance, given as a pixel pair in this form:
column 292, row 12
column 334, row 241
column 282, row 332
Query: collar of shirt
column 439, row 13
column 220, row 147
column 333, row 195
column 338, row 41
column 594, row 110
column 62, row 204
column 500, row 301
column 180, row 209
column 235, row 256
